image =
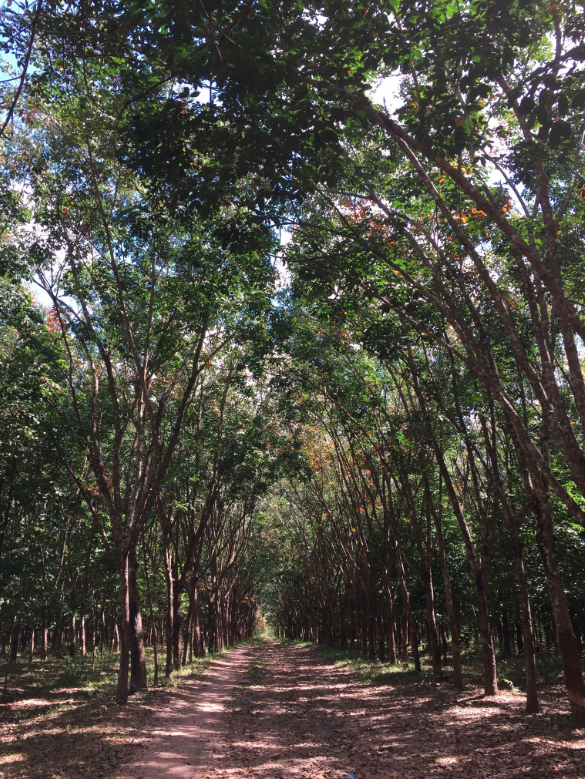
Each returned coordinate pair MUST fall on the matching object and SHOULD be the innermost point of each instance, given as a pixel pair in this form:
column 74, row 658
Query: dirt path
column 184, row 736
column 303, row 718
column 292, row 715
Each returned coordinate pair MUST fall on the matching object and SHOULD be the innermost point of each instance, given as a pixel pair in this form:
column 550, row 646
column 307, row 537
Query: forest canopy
column 292, row 326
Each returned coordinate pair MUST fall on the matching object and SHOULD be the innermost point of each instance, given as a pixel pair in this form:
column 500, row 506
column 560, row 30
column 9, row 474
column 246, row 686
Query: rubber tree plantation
column 292, row 338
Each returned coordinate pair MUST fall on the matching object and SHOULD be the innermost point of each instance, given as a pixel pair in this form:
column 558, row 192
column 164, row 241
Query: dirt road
column 277, row 711
column 184, row 736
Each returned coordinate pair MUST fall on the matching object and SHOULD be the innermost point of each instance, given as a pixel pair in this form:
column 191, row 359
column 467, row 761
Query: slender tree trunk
column 414, row 643
column 124, row 633
column 352, row 630
column 31, row 644
column 380, row 628
column 404, row 639
column 138, row 679
column 188, row 647
column 487, row 641
column 12, row 652
column 72, row 637
column 506, row 634
column 197, row 624
column 170, row 610
column 435, row 649
column 44, row 639
column 527, row 627
column 82, row 636
column 176, row 636
column 103, row 632
column 532, row 705
column 370, row 623
column 152, row 619
column 444, row 641
column 478, row 573
column 342, row 631
column 390, row 630
column 566, row 636
column 453, row 626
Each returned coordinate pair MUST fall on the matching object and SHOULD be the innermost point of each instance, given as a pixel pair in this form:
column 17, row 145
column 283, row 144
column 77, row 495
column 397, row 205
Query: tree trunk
column 342, row 632
column 453, row 626
column 390, row 630
column 138, row 680
column 478, row 571
column 176, row 637
column 197, row 624
column 487, row 641
column 414, row 643
column 530, row 674
column 72, row 638
column 44, row 639
column 566, row 636
column 352, row 630
column 507, row 636
column 404, row 640
column 124, row 633
column 82, row 636
column 31, row 644
column 188, row 647
column 152, row 619
column 370, row 623
column 435, row 649
column 380, row 628
column 170, row 611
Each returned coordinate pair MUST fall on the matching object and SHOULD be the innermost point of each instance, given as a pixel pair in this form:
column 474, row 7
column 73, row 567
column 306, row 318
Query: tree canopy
column 291, row 323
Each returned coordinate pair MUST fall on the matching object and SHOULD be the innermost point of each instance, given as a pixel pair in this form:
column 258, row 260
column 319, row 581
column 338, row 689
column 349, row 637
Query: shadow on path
column 293, row 716
column 182, row 735
column 310, row 720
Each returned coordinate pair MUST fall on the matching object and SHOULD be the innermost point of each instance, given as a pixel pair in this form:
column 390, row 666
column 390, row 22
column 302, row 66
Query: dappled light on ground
column 304, row 718
column 277, row 711
column 180, row 735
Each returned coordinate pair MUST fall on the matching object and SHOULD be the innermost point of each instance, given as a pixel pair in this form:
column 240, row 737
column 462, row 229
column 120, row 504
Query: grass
column 61, row 719
column 510, row 670
column 62, row 677
column 66, row 681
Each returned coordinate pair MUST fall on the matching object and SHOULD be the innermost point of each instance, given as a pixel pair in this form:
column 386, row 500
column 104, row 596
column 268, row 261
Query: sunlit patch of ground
column 60, row 720
column 320, row 721
column 297, row 715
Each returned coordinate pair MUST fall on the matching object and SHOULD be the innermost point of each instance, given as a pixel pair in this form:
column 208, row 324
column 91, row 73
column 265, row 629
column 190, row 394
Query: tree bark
column 44, row 640
column 177, row 635
column 453, row 626
column 432, row 622
column 31, row 644
column 152, row 619
column 566, row 636
column 380, row 630
column 138, row 679
column 82, row 637
column 170, row 611
column 487, row 640
column 124, row 633
column 532, row 705
column 72, row 637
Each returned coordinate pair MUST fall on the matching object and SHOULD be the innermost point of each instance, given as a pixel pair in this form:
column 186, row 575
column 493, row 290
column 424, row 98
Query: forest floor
column 274, row 710
column 60, row 720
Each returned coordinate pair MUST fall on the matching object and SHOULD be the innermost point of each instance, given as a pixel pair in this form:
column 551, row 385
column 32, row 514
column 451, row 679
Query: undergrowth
column 510, row 669
column 66, row 681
